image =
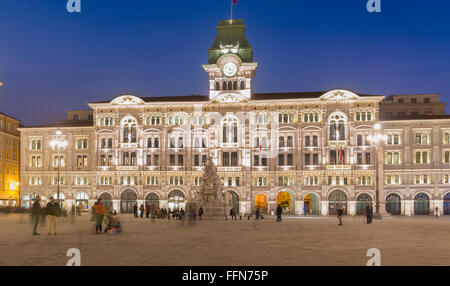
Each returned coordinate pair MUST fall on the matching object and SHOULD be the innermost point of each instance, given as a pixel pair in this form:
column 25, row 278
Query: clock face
column 230, row 69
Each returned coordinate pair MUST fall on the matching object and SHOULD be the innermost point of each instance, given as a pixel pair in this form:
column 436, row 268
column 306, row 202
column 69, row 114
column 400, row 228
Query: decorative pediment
column 127, row 100
column 229, row 98
column 339, row 94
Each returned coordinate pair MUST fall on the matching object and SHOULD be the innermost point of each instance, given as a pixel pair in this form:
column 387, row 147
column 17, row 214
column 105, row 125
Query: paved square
column 295, row 241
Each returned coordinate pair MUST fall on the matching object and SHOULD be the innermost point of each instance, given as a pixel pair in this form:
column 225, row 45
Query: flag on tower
column 235, row 2
column 341, row 156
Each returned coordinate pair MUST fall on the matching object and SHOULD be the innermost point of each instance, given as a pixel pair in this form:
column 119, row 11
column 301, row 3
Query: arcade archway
column 152, row 199
column 128, row 201
column 261, row 203
column 284, row 199
column 82, row 201
column 311, row 204
column 177, row 200
column 234, row 203
column 337, row 199
column 447, row 204
column 362, row 201
column 106, row 200
column 393, row 204
column 421, row 204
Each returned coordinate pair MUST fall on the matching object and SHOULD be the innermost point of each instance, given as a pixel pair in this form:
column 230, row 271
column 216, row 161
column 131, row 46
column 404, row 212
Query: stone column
column 324, row 208
column 351, row 208
column 408, row 207
column 299, row 207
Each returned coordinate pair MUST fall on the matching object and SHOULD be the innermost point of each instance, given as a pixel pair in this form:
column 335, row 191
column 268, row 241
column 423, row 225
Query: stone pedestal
column 216, row 211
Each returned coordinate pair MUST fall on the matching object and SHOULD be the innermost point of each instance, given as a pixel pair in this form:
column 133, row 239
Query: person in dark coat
column 36, row 213
column 200, row 213
column 279, row 212
column 369, row 214
column 233, row 214
column 340, row 212
column 147, row 210
column 135, row 210
column 258, row 213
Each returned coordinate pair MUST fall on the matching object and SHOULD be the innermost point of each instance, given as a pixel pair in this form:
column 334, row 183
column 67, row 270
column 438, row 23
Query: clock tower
column 231, row 67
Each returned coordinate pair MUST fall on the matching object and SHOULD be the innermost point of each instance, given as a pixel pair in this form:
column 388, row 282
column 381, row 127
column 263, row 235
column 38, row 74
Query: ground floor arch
column 128, row 200
column 152, row 200
column 176, row 199
column 337, row 199
column 393, row 204
column 82, row 201
column 446, row 207
column 261, row 203
column 286, row 201
column 311, row 204
column 362, row 201
column 234, row 203
column 421, row 204
column 107, row 200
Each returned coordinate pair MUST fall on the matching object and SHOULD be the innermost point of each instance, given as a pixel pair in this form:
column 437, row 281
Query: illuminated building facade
column 9, row 161
column 308, row 151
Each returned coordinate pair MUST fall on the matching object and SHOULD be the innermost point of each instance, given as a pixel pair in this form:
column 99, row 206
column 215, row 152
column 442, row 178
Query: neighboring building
column 401, row 106
column 9, row 161
column 80, row 115
column 303, row 150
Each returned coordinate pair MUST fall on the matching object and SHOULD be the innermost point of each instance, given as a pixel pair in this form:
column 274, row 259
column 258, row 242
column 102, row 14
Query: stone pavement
column 295, row 241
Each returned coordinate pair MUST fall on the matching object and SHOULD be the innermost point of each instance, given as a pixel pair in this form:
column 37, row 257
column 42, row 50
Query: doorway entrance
column 337, row 199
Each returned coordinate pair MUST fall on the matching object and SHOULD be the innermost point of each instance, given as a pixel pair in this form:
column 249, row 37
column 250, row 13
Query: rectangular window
column 367, row 158
column 196, row 160
column 180, row 160
column 226, row 159
column 359, row 159
column 307, row 159
column 234, row 159
column 172, row 160
column 315, row 159
column 290, row 159
column 281, row 160
column 256, row 160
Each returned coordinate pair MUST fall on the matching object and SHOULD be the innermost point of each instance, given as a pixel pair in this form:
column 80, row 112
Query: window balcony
column 230, row 169
column 129, row 145
column 337, row 143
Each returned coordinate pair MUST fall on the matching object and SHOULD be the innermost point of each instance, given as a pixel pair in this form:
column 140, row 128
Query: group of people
column 157, row 212
column 106, row 217
column 51, row 211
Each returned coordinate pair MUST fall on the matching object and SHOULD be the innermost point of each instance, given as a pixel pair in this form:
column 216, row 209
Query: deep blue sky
column 52, row 61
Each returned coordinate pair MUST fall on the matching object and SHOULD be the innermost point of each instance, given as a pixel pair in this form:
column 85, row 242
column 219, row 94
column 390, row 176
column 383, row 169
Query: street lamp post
column 58, row 144
column 377, row 138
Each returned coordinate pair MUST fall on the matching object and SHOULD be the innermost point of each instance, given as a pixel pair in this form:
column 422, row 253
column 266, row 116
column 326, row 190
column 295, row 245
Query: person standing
column 147, row 210
column 370, row 215
column 36, row 214
column 99, row 216
column 135, row 210
column 142, row 209
column 200, row 213
column 233, row 214
column 279, row 212
column 258, row 213
column 52, row 211
column 340, row 213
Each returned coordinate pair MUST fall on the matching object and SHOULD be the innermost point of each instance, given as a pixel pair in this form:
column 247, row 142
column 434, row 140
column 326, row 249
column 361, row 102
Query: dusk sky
column 52, row 61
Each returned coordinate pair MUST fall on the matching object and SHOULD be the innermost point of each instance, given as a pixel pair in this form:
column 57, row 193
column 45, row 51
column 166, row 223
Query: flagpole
column 231, row 17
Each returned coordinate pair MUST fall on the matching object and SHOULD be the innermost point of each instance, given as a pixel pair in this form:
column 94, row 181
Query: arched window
column 217, row 85
column 290, row 141
column 129, row 130
column 281, row 142
column 230, row 85
column 235, row 85
column 149, row 142
column 337, row 127
column 225, row 85
column 230, row 131
column 242, row 84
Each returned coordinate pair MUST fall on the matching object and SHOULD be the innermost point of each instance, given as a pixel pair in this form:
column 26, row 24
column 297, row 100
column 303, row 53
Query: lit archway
column 152, row 199
column 234, row 201
column 177, row 200
column 82, row 201
column 106, row 200
column 311, row 204
column 261, row 202
column 284, row 199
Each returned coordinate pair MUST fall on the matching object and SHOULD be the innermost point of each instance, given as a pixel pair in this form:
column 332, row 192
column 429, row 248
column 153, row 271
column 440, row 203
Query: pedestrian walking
column 99, row 216
column 279, row 213
column 135, row 210
column 369, row 214
column 340, row 213
column 305, row 210
column 233, row 214
column 52, row 212
column 36, row 214
column 258, row 213
column 72, row 211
